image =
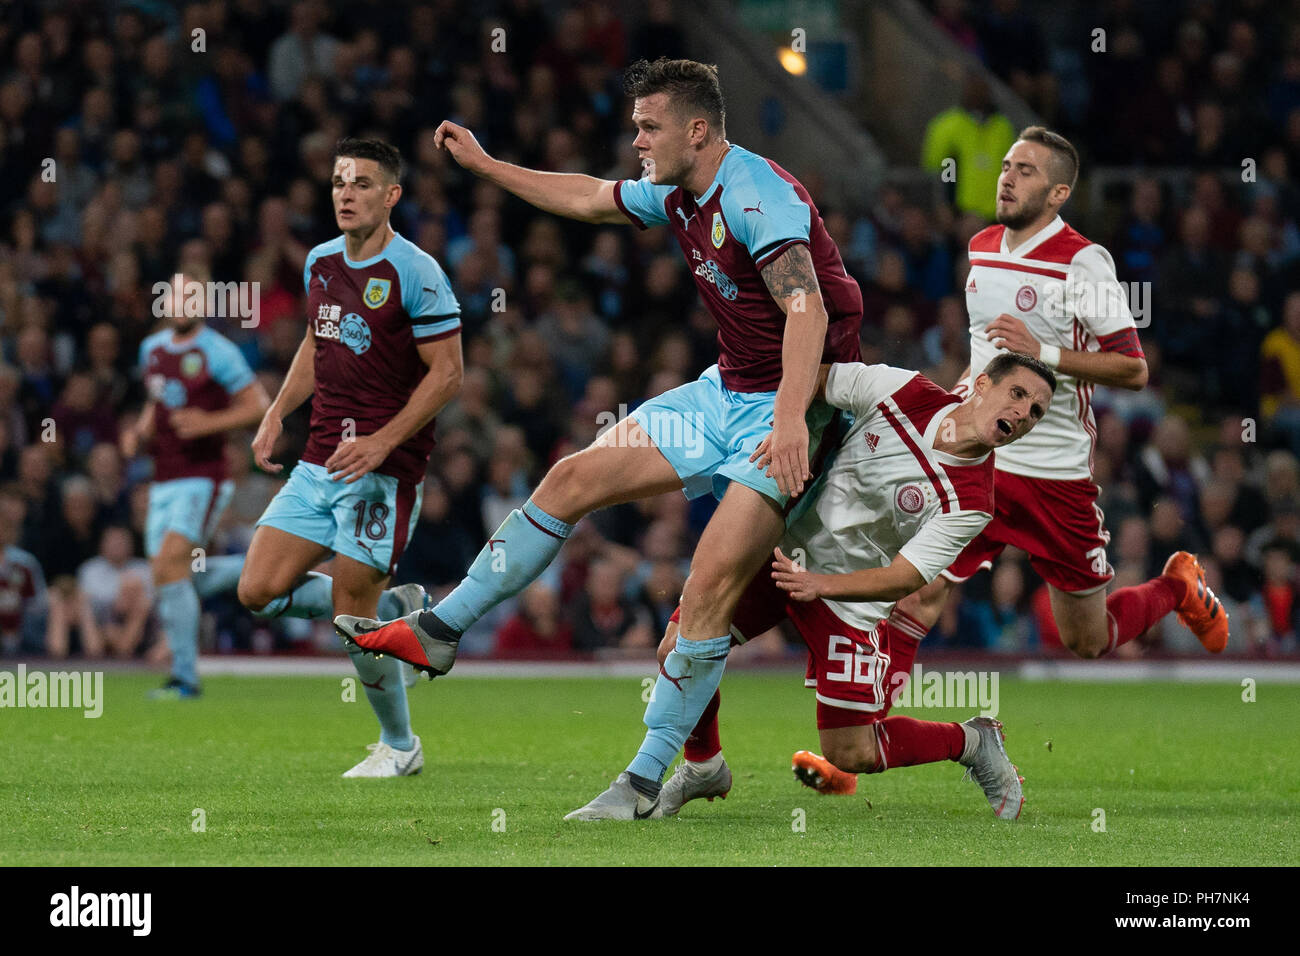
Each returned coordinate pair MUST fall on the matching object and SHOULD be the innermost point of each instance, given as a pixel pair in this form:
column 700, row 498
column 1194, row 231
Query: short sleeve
column 1100, row 301
column 857, row 388
column 642, row 201
column 306, row 271
column 228, row 365
column 936, row 545
column 765, row 213
column 428, row 300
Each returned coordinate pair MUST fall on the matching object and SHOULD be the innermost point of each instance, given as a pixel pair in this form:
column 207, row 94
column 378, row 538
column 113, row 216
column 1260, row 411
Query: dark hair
column 385, row 154
column 691, row 87
column 1065, row 158
column 1004, row 362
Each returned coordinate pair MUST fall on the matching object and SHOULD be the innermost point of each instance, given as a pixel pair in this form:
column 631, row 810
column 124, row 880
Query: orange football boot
column 1200, row 609
column 823, row 776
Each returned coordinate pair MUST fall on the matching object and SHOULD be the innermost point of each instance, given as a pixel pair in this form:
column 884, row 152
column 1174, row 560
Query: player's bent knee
column 168, row 568
column 856, row 754
column 1085, row 644
column 569, row 489
column 253, row 596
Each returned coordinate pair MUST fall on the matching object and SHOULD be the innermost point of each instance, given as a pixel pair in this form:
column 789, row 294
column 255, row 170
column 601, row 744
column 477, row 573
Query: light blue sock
column 516, row 554
column 178, row 610
column 687, row 680
column 389, row 608
column 219, row 574
column 312, row 599
column 382, row 679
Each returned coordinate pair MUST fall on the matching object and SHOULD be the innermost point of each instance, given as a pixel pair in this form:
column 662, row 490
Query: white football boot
column 384, row 761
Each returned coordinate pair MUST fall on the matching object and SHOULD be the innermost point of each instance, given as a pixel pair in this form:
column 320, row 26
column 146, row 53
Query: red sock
column 703, row 742
column 905, row 635
column 906, row 742
column 1130, row 611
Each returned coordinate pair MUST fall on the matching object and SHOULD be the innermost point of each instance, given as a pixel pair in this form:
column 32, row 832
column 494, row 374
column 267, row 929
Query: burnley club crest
column 376, row 293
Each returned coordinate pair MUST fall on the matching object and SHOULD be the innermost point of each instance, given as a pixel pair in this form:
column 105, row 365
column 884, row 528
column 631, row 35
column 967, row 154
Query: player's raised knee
column 567, row 490
column 252, row 594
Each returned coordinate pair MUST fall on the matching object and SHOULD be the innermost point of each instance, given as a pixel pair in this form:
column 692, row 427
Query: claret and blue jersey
column 753, row 211
column 368, row 317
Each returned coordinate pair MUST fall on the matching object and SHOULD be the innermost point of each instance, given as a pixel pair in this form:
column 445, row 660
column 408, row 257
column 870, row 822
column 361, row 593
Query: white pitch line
column 1271, row 672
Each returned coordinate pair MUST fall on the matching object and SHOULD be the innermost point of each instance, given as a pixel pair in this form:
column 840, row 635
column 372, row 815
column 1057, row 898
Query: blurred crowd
column 142, row 139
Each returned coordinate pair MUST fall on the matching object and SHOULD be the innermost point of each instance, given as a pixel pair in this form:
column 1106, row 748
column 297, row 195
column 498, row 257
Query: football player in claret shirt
column 199, row 387
column 909, row 487
column 380, row 359
column 769, row 273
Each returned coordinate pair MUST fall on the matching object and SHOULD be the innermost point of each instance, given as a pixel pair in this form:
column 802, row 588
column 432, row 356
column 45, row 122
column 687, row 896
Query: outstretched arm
column 572, row 195
column 890, row 583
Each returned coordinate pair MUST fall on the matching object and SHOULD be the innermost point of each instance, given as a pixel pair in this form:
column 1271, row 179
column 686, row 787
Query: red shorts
column 849, row 668
column 1057, row 523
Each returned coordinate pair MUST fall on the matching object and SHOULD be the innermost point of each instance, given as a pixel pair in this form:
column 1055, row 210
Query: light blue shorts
column 370, row 520
column 707, row 432
column 191, row 507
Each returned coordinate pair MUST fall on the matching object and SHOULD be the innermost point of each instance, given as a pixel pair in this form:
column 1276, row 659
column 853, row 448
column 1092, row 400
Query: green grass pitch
column 1186, row 774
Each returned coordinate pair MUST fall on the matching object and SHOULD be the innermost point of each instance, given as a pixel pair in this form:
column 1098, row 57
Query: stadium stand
column 217, row 163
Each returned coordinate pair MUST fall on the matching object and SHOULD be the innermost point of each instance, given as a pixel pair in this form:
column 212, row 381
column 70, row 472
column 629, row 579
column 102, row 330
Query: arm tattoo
column 790, row 273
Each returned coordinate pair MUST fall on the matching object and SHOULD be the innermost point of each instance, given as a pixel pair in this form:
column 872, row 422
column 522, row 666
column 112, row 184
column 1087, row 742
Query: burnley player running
column 380, row 359
column 911, row 485
column 1038, row 287
column 772, row 278
column 199, row 387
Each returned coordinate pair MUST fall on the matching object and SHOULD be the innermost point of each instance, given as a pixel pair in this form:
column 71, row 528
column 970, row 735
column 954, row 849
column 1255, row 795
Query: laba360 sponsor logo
column 74, row 689
column 74, row 908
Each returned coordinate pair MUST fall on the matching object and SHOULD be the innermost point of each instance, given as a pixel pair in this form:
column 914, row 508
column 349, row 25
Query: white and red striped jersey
column 888, row 491
column 1063, row 287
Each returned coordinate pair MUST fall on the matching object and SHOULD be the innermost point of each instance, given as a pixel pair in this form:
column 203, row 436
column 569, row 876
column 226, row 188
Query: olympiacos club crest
column 1026, row 298
column 910, row 499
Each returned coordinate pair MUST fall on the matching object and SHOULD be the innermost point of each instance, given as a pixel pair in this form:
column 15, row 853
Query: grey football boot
column 691, row 781
column 620, row 802
column 987, row 763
